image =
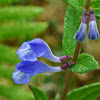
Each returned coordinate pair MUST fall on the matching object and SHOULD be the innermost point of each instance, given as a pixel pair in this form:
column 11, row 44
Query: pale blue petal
column 81, row 33
column 93, row 32
column 20, row 77
column 25, row 53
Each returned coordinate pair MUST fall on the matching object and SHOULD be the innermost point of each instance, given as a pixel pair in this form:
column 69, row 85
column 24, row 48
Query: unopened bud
column 91, row 15
column 65, row 58
column 93, row 32
column 67, row 65
column 81, row 33
column 84, row 16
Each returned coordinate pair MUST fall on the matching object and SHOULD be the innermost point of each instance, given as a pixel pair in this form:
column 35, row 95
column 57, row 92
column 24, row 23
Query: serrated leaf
column 38, row 94
column 77, row 4
column 86, row 63
column 88, row 92
column 71, row 25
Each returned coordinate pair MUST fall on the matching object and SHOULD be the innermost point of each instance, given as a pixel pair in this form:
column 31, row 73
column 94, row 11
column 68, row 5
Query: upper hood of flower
column 31, row 50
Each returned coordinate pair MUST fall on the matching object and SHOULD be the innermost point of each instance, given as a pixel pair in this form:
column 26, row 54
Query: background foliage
column 17, row 25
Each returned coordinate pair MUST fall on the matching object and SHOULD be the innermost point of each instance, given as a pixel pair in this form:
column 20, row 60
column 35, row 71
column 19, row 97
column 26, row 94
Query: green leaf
column 6, row 71
column 77, row 4
column 71, row 25
column 12, row 2
column 88, row 92
column 86, row 63
column 97, row 13
column 22, row 30
column 57, row 97
column 95, row 5
column 19, row 13
column 8, row 55
column 66, row 0
column 15, row 93
column 8, row 2
column 38, row 94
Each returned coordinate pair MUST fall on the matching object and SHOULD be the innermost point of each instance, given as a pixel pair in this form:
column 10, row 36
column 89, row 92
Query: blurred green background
column 23, row 20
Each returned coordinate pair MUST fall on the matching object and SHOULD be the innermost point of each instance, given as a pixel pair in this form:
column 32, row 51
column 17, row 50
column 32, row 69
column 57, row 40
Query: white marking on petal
column 20, row 77
column 26, row 53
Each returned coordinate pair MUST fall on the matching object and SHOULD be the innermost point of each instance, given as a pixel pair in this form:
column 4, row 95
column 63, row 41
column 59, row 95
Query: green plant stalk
column 70, row 74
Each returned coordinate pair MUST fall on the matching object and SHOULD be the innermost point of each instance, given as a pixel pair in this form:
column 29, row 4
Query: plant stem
column 78, row 45
column 67, row 84
column 87, row 4
column 70, row 74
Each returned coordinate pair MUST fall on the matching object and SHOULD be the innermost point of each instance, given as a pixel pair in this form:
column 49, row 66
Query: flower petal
column 36, row 67
column 93, row 33
column 81, row 33
column 20, row 77
column 26, row 53
column 42, row 49
column 30, row 50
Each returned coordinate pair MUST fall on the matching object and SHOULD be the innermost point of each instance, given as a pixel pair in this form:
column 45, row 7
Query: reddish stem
column 69, row 76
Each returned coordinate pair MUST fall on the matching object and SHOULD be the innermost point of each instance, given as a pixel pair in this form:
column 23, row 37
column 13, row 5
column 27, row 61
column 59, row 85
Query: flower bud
column 67, row 65
column 81, row 33
column 93, row 32
column 65, row 58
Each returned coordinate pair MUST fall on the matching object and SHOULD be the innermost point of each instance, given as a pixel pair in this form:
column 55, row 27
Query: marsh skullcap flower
column 81, row 33
column 26, row 69
column 28, row 53
column 93, row 32
column 31, row 50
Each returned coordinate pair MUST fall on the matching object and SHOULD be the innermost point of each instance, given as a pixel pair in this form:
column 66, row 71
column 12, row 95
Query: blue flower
column 93, row 32
column 30, row 66
column 81, row 33
column 31, row 50
column 20, row 77
column 26, row 69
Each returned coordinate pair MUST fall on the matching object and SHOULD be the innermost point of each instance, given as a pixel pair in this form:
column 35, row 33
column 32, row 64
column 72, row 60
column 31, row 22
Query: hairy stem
column 70, row 74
